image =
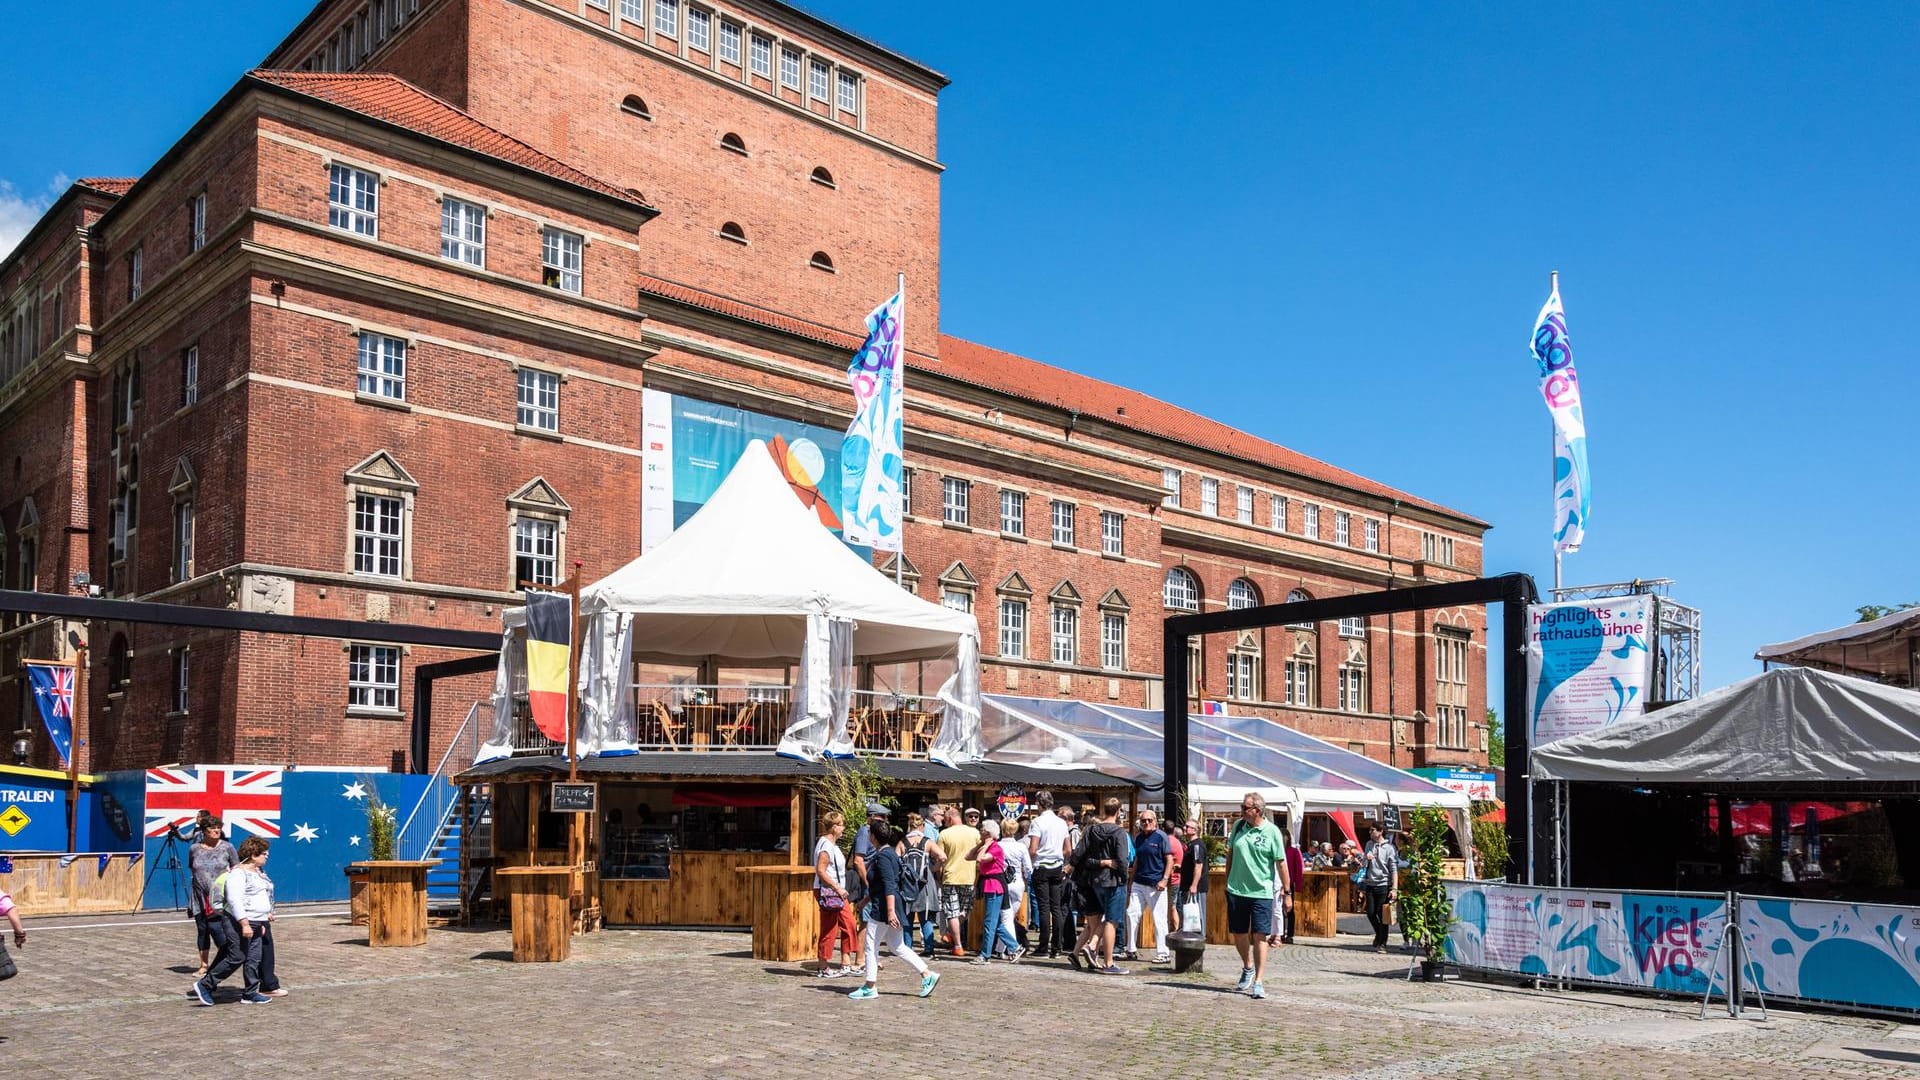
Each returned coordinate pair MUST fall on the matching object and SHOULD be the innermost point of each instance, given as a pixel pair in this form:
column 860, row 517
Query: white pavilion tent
column 753, row 575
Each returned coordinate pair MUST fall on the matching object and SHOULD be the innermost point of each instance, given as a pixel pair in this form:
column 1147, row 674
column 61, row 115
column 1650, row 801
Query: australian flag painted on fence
column 1560, row 386
column 871, row 465
column 53, row 694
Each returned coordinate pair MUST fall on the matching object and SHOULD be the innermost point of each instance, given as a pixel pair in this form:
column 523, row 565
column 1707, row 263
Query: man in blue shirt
column 1152, row 870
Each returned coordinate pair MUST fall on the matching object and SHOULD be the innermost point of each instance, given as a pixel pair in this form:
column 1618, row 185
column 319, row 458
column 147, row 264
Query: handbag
column 7, row 968
column 832, row 901
column 1359, row 876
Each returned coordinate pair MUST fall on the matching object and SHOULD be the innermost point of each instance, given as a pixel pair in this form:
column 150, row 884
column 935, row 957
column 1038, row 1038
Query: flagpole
column 899, row 375
column 73, row 749
column 1553, row 447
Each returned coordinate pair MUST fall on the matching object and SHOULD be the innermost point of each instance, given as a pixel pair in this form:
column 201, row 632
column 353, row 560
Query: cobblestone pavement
column 106, row 1000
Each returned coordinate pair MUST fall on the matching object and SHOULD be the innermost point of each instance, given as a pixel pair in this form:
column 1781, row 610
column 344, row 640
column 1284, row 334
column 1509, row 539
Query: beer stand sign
column 1012, row 801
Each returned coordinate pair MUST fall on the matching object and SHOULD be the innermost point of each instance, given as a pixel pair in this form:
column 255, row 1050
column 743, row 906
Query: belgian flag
column 549, row 643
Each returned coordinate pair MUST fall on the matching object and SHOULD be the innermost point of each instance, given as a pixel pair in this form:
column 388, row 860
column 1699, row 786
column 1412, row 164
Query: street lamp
column 22, row 746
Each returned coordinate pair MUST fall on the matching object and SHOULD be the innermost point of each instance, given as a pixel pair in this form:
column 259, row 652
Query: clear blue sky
column 1333, row 228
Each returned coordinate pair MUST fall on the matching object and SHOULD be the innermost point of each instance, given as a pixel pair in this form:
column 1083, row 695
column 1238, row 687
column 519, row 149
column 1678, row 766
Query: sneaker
column 1246, row 980
column 1113, row 969
column 865, row 993
column 1259, row 990
column 928, row 982
column 256, row 999
column 1133, row 954
column 829, row 972
column 1163, row 958
column 1380, row 948
column 979, row 959
column 1074, row 958
column 278, row 991
column 200, row 992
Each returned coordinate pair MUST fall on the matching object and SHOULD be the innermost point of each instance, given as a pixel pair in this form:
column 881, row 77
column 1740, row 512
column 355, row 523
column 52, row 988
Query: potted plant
column 1426, row 911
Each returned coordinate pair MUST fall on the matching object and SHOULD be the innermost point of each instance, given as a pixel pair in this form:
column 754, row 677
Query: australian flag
column 52, row 686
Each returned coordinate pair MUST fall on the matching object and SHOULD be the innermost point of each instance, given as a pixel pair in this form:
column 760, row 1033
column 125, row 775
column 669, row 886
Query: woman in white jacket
column 248, row 899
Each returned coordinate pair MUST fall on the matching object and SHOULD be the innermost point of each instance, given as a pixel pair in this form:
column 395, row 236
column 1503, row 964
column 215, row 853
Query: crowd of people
column 1086, row 888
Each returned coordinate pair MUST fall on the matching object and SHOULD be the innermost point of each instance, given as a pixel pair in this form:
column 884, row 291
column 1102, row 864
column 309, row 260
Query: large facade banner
column 1646, row 940
column 1845, row 954
column 1588, row 664
column 688, row 446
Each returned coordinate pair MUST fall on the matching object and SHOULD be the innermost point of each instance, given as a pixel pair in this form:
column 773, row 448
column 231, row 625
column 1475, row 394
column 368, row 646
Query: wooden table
column 397, row 902
column 537, row 898
column 1316, row 912
column 786, row 918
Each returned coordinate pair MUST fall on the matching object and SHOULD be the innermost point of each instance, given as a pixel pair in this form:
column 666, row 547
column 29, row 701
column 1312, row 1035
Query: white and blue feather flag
column 1560, row 387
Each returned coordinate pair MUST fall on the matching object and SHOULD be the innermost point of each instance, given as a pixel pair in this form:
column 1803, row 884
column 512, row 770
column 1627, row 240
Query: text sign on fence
column 574, row 798
column 1647, row 940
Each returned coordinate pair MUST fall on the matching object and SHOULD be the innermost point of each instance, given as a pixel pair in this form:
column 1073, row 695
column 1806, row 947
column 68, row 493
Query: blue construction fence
column 1856, row 957
column 318, row 814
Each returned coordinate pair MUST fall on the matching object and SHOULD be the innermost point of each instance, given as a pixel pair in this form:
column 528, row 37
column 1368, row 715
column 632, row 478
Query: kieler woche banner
column 1588, row 665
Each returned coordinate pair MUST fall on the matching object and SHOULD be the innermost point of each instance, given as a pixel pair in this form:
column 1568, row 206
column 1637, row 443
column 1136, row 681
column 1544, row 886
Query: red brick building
column 370, row 341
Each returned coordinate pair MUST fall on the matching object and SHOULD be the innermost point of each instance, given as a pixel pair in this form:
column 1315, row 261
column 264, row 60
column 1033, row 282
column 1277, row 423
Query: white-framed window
column 1243, row 674
column 560, row 259
column 1310, row 521
column 1353, row 626
column 382, row 366
column 1295, row 597
column 373, row 677
column 819, row 79
column 906, row 492
column 1013, row 627
column 634, row 11
column 1066, row 634
column 1241, row 595
column 1210, row 497
column 1243, row 504
column 1170, row 483
column 790, row 68
column 379, row 534
column 539, row 399
column 849, row 92
column 197, row 222
column 1013, row 512
column 136, row 272
column 954, row 493
column 1436, row 548
column 182, row 674
column 601, row 4
column 1113, row 533
column 1113, row 641
column 699, row 29
column 1372, row 532
column 1342, row 528
column 1279, row 513
column 666, row 17
column 1061, row 517
column 1301, row 688
column 1450, row 659
column 463, row 231
column 1182, row 590
column 760, row 53
column 957, row 600
column 730, row 42
column 189, row 375
column 1353, row 687
column 536, row 551
column 183, row 539
column 353, row 200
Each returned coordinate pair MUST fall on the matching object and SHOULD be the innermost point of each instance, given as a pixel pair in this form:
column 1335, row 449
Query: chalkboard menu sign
column 574, row 798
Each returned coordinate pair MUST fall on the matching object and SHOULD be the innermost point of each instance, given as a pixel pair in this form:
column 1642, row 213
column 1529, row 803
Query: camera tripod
column 168, row 859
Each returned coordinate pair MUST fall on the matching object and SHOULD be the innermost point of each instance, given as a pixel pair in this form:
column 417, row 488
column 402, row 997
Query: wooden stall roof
column 667, row 765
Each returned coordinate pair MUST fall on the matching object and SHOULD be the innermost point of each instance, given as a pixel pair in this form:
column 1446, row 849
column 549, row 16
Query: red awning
column 737, row 795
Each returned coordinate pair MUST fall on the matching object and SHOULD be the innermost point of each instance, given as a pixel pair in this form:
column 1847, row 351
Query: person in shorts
column 1255, row 854
column 959, row 873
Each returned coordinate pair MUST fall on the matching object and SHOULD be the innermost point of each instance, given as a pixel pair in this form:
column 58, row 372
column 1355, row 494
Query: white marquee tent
column 753, row 576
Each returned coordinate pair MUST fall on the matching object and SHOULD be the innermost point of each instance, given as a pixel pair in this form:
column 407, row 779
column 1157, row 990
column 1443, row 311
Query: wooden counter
column 41, row 886
column 703, row 890
column 786, row 917
column 1316, row 911
column 537, row 897
column 396, row 901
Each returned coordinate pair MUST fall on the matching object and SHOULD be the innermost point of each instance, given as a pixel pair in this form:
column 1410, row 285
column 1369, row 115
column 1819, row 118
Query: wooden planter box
column 357, row 893
column 396, row 894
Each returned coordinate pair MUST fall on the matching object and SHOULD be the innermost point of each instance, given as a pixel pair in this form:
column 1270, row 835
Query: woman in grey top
column 208, row 858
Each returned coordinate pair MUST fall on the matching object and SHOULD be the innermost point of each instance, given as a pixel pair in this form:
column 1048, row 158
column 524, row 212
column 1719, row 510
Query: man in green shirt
column 1255, row 851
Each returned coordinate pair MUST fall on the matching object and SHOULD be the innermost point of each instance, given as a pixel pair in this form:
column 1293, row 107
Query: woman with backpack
column 836, row 903
column 916, row 872
column 1099, row 868
column 884, row 929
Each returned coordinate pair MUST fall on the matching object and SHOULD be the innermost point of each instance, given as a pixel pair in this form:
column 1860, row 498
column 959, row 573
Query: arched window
column 822, row 177
column 733, row 142
column 1295, row 597
column 1242, row 594
column 634, row 105
column 732, row 231
column 1182, row 591
column 821, row 261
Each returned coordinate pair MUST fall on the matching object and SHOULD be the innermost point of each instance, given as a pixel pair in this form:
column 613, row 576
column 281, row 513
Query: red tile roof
column 1017, row 376
column 108, row 185
column 393, row 100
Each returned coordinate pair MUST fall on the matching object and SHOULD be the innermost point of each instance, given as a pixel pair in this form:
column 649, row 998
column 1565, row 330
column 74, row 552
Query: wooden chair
column 741, row 722
column 924, row 730
column 670, row 727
